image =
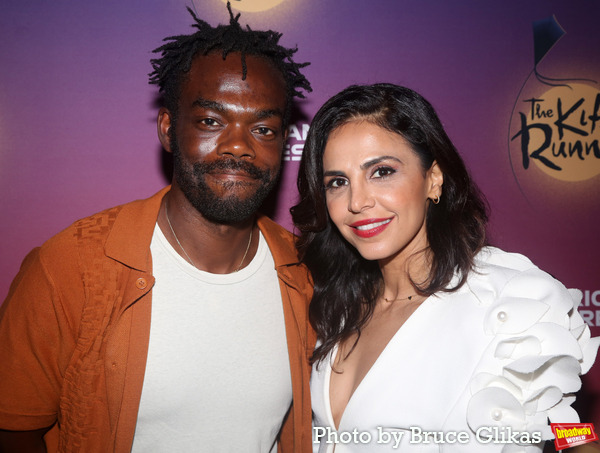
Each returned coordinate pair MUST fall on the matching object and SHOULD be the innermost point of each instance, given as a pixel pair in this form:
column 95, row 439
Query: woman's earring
column 437, row 199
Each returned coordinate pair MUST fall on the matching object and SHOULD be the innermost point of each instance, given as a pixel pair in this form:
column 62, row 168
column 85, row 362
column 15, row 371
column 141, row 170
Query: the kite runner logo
column 555, row 125
column 559, row 132
column 569, row 435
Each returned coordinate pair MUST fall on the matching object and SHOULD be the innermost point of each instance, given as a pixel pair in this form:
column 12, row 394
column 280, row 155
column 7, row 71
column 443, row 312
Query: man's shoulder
column 95, row 228
column 272, row 228
column 281, row 242
column 83, row 232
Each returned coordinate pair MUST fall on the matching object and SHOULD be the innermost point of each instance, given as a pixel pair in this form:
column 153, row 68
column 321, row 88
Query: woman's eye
column 335, row 183
column 382, row 172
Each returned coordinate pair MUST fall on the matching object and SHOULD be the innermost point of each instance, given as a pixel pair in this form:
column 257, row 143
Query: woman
column 423, row 327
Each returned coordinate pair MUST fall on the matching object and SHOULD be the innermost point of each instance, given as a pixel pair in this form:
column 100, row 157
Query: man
column 176, row 323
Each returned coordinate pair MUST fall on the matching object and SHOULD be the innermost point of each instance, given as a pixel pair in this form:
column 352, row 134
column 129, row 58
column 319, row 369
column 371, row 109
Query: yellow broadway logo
column 572, row 434
column 562, row 433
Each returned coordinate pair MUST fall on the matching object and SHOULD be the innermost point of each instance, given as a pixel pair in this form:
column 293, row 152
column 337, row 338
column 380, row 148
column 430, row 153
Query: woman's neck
column 402, row 276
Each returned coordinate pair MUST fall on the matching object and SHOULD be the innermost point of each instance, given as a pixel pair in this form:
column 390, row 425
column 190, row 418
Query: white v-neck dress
column 480, row 368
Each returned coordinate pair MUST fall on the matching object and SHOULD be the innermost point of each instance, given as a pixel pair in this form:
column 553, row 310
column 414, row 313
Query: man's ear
column 286, row 133
column 164, row 125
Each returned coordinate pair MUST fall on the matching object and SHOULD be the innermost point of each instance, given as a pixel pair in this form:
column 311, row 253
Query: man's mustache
column 231, row 164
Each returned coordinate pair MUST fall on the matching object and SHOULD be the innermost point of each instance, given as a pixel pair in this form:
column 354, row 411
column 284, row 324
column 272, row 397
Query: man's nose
column 236, row 142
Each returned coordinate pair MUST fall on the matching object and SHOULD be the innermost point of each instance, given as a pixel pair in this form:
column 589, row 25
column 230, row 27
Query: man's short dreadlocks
column 179, row 52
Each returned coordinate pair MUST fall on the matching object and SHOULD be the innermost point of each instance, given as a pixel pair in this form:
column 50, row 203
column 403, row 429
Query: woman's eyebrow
column 377, row 160
column 364, row 166
column 334, row 173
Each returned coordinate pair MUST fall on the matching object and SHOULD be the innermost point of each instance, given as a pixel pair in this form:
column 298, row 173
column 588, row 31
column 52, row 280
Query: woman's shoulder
column 518, row 294
column 520, row 299
column 505, row 274
column 494, row 257
column 540, row 344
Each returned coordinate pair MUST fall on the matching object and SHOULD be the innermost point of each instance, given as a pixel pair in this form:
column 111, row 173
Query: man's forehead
column 231, row 63
column 234, row 62
column 211, row 76
column 226, row 106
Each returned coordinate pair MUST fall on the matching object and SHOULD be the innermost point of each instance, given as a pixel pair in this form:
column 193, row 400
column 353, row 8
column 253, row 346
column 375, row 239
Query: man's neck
column 208, row 246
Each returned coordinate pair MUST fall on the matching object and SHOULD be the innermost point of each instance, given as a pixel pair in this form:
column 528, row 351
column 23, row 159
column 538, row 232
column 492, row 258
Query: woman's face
column 377, row 190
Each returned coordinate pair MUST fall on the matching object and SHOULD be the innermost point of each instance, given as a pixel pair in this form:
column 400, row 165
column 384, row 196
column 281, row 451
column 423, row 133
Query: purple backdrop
column 77, row 117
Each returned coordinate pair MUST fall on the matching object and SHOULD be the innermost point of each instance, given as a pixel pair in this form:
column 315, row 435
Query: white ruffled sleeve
column 540, row 348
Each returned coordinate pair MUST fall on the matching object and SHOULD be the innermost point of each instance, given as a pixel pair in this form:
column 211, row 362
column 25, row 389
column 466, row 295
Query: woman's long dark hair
column 346, row 285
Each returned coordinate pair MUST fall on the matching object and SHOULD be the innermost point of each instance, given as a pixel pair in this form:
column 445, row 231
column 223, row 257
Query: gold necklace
column 188, row 256
column 400, row 298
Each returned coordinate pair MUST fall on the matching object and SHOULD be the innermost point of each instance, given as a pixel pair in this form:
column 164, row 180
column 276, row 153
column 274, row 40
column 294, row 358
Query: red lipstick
column 369, row 227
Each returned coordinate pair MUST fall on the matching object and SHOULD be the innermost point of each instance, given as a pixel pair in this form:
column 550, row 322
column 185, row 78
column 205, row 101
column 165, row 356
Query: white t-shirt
column 217, row 377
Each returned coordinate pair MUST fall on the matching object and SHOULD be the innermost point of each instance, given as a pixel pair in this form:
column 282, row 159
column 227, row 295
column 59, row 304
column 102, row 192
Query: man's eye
column 209, row 122
column 264, row 131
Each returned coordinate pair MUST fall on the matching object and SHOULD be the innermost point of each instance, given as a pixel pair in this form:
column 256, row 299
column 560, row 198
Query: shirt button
column 141, row 283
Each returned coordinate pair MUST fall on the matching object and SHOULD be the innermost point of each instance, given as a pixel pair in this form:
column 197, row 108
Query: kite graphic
column 546, row 33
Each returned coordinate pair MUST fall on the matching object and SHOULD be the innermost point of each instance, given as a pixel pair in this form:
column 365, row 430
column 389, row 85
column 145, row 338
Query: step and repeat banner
column 516, row 84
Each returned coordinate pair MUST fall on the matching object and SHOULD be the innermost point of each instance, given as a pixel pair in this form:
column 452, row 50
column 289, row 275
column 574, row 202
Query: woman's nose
column 360, row 199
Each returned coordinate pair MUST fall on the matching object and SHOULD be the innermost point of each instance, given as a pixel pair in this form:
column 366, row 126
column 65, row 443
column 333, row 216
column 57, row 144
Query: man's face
column 228, row 136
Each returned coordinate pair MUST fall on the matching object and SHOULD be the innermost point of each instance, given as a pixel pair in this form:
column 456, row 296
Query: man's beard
column 228, row 209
